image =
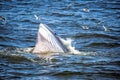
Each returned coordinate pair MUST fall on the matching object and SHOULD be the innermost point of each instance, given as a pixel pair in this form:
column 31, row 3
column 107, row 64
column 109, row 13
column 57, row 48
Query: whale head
column 48, row 41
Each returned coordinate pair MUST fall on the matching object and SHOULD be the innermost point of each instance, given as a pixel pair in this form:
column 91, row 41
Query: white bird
column 36, row 17
column 105, row 28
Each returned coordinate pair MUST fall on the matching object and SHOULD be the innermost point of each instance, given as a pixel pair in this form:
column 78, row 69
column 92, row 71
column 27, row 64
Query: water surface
column 94, row 26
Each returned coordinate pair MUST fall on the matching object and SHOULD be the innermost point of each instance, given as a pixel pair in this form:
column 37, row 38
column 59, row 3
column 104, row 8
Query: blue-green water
column 94, row 26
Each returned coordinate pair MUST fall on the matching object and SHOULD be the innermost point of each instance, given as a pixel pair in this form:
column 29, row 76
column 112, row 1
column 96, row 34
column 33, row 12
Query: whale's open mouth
column 48, row 41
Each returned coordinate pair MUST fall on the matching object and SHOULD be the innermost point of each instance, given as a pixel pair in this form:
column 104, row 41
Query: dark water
column 94, row 25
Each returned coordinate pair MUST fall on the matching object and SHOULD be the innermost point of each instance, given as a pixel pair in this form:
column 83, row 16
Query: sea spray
column 68, row 44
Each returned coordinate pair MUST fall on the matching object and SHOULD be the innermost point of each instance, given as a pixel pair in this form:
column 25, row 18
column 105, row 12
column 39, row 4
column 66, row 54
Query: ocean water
column 93, row 26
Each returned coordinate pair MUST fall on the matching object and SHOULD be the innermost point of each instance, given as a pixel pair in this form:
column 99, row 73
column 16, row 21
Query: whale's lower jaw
column 48, row 41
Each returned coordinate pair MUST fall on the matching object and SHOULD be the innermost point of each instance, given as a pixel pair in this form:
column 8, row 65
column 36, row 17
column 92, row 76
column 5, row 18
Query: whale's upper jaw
column 48, row 41
column 46, row 32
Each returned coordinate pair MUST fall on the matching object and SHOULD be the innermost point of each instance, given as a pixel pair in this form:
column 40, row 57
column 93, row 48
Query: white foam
column 68, row 44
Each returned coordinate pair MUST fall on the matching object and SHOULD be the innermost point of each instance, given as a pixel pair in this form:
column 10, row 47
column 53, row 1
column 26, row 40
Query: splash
column 68, row 44
column 26, row 53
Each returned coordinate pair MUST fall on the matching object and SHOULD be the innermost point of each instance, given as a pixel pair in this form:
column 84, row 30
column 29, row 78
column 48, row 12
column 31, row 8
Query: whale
column 48, row 41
